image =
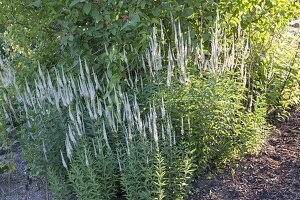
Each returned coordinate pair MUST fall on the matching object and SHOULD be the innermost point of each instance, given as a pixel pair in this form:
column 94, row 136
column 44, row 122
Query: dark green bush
column 57, row 33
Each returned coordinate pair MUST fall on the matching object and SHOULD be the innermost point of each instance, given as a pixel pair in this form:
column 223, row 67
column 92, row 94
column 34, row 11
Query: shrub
column 282, row 75
column 58, row 32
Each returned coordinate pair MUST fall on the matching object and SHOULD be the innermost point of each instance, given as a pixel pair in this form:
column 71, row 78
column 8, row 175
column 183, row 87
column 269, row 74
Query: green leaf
column 114, row 31
column 187, row 12
column 87, row 8
column 96, row 15
column 98, row 26
column 107, row 17
column 71, row 38
column 37, row 3
column 134, row 19
column 5, row 167
column 74, row 2
column 156, row 12
column 206, row 36
column 124, row 26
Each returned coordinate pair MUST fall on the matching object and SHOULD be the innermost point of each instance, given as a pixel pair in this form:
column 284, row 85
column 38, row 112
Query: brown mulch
column 273, row 174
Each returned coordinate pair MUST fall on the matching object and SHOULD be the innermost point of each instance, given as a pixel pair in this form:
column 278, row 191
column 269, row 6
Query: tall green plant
column 181, row 111
column 93, row 172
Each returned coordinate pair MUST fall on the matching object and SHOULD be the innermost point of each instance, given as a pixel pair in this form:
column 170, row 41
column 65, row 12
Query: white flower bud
column 63, row 160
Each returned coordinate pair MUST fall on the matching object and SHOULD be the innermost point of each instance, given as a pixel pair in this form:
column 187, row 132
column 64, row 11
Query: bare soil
column 17, row 184
column 273, row 174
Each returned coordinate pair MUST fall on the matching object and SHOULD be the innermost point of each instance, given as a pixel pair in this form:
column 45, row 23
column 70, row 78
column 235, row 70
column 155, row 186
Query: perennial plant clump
column 182, row 110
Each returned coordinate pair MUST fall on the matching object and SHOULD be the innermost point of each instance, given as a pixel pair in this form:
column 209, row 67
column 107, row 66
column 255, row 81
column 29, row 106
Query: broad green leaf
column 156, row 12
column 114, row 31
column 125, row 26
column 87, row 8
column 96, row 15
column 71, row 38
column 187, row 12
column 74, row 2
column 37, row 4
column 107, row 17
column 134, row 19
column 120, row 4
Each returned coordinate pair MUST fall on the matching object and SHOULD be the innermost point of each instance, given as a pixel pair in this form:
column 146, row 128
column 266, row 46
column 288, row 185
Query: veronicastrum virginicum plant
column 204, row 92
column 114, row 122
column 147, row 139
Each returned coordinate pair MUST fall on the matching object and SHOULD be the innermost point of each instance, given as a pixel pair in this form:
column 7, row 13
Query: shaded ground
column 274, row 174
column 17, row 185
